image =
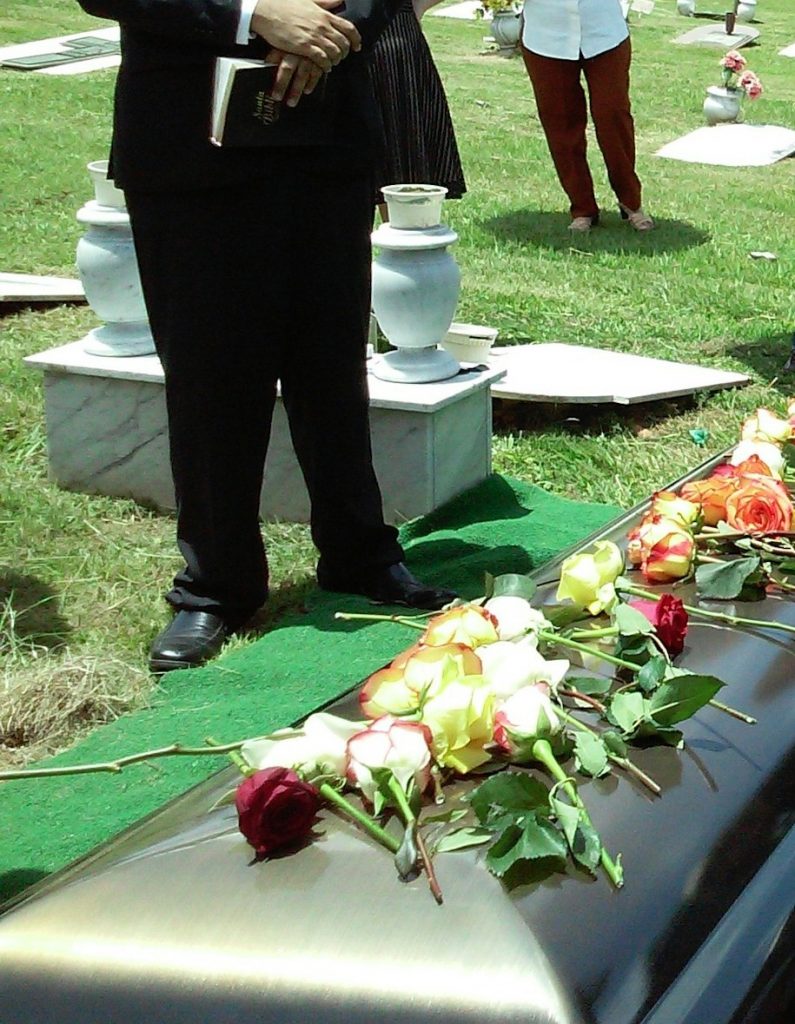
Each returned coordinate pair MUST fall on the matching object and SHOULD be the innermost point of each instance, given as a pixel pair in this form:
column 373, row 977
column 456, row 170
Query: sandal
column 639, row 219
column 582, row 225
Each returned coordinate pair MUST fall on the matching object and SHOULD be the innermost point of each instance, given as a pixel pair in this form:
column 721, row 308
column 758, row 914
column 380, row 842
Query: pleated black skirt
column 419, row 142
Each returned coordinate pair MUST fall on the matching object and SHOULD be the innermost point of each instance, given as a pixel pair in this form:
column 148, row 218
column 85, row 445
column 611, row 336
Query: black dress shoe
column 389, row 584
column 190, row 639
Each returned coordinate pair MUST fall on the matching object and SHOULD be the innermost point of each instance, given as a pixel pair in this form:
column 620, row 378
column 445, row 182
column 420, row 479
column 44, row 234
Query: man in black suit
column 255, row 268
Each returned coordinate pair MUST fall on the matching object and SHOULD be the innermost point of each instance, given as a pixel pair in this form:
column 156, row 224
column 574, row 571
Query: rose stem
column 542, row 752
column 383, row 837
column 427, row 863
column 593, row 634
column 553, row 638
column 622, row 762
column 587, row 698
column 369, row 617
column 120, row 763
column 734, row 620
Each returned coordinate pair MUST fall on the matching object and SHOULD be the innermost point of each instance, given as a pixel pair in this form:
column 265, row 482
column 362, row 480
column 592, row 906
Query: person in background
column 243, row 290
column 419, row 144
column 562, row 40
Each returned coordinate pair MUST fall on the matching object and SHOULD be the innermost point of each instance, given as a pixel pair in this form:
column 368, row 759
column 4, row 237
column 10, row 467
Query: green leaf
column 580, row 835
column 649, row 729
column 511, row 792
column 488, row 588
column 652, row 674
column 630, row 621
column 562, row 615
column 463, row 838
column 614, row 743
column 681, row 696
column 626, row 711
column 590, row 754
column 444, row 817
column 537, row 839
column 724, row 581
column 512, row 584
column 591, row 685
column 406, row 856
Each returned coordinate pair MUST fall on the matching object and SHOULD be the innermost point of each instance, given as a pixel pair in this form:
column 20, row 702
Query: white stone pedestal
column 107, row 434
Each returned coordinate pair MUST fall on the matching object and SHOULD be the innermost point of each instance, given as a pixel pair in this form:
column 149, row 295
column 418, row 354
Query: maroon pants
column 562, row 111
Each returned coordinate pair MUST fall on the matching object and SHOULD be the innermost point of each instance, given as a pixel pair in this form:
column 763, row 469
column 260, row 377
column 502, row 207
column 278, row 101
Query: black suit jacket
column 164, row 92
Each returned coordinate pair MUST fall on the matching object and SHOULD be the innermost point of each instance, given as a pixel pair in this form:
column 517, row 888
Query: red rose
column 669, row 618
column 275, row 807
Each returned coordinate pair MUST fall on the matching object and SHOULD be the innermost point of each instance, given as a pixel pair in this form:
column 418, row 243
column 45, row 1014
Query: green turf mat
column 305, row 661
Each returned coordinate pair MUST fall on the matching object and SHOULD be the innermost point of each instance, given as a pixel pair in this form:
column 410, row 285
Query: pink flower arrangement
column 737, row 76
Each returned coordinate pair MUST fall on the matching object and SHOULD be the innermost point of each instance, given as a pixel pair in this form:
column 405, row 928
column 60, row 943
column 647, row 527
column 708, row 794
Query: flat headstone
column 716, row 35
column 788, row 51
column 732, row 145
column 577, row 374
column 466, row 11
column 58, row 46
column 33, row 288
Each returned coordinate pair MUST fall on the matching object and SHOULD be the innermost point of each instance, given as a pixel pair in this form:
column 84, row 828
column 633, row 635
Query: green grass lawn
column 81, row 577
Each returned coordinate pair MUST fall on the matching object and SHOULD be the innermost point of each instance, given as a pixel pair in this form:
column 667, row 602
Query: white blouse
column 567, row 28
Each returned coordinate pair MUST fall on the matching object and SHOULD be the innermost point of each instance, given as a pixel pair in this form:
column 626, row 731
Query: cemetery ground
column 82, row 577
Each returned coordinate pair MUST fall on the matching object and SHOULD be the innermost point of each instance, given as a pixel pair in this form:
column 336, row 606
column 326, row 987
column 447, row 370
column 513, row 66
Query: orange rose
column 465, row 624
column 754, row 466
column 759, row 505
column 667, row 548
column 711, row 494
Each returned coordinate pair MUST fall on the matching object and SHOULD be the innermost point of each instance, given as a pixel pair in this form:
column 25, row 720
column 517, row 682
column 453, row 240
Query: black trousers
column 247, row 286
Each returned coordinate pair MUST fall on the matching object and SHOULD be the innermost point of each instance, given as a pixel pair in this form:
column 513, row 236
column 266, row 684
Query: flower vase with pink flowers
column 724, row 102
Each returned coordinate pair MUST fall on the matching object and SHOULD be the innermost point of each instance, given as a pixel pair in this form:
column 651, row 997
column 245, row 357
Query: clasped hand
column 306, row 40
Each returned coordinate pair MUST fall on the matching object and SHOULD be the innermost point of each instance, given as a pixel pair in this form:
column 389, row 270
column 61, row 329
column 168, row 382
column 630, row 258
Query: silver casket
column 172, row 922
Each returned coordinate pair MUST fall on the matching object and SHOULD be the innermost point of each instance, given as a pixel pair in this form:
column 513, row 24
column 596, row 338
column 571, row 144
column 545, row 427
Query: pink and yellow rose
column 465, row 624
column 759, row 505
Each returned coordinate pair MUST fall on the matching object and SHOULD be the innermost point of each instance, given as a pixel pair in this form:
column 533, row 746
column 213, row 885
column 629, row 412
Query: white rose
column 508, row 667
column 515, row 616
column 320, row 746
column 768, row 452
column 525, row 717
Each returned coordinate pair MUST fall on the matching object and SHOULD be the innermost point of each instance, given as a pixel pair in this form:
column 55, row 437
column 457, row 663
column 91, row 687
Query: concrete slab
column 56, row 46
column 579, row 375
column 34, row 288
column 788, row 51
column 717, row 36
column 732, row 145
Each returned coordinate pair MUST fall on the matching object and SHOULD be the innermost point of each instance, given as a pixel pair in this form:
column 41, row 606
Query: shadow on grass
column 546, row 229
column 511, row 417
column 768, row 357
column 29, row 612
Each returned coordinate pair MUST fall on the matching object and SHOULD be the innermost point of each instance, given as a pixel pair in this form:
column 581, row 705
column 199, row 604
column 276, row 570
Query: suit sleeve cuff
column 244, row 33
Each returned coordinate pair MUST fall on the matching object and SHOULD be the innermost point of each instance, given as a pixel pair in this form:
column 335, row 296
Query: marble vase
column 746, row 10
column 416, row 282
column 506, row 29
column 108, row 270
column 686, row 7
column 722, row 106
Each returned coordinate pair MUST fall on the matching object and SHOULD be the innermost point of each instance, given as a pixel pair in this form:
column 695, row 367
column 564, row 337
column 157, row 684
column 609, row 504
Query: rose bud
column 677, row 507
column 711, row 494
column 403, row 747
column 669, row 550
column 669, row 618
column 769, row 453
column 527, row 716
column 386, row 692
column 759, row 505
column 465, row 624
column 766, row 426
column 275, row 808
column 587, row 578
column 515, row 617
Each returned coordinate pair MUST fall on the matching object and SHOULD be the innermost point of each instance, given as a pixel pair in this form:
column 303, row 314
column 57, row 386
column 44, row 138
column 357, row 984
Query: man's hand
column 306, row 28
column 295, row 76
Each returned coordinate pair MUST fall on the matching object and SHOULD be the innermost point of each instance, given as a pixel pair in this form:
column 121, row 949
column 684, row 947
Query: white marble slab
column 732, row 145
column 466, row 11
column 72, row 358
column 716, row 35
column 788, row 51
column 107, row 434
column 577, row 374
column 35, row 288
column 55, row 45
